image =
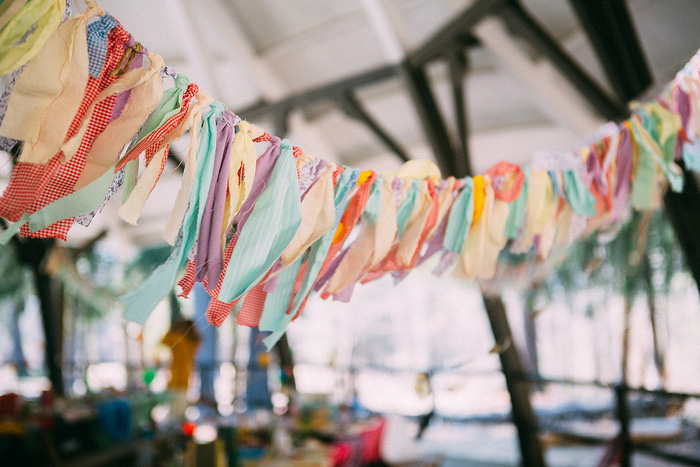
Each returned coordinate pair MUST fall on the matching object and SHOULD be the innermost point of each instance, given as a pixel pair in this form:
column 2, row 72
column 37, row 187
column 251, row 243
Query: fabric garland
column 274, row 229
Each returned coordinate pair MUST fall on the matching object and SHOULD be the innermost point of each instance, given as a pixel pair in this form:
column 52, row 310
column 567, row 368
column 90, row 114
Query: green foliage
column 614, row 263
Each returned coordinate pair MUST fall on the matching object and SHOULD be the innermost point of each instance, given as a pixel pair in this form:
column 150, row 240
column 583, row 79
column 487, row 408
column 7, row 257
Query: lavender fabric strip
column 210, row 258
column 331, row 269
column 448, row 259
column 346, row 294
column 683, row 103
column 624, row 170
column 434, row 244
column 263, row 171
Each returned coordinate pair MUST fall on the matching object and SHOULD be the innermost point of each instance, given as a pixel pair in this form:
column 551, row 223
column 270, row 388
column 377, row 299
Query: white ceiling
column 242, row 51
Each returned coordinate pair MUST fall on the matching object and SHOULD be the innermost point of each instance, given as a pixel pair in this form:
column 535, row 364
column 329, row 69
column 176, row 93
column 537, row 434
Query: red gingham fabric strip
column 117, row 37
column 217, row 311
column 63, row 182
column 252, row 307
column 187, row 282
column 156, row 138
column 25, row 191
column 262, row 138
column 26, row 179
column 297, row 285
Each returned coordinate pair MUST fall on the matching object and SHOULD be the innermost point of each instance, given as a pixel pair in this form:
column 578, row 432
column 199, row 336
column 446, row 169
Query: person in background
column 183, row 340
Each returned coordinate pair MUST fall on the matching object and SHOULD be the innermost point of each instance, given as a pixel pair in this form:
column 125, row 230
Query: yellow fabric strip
column 473, row 249
column 8, row 9
column 415, row 168
column 131, row 209
column 479, row 196
column 47, row 16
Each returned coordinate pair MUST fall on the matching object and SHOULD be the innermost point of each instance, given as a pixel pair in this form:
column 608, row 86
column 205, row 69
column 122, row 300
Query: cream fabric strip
column 445, row 200
column 538, row 197
column 243, row 157
column 48, row 93
column 146, row 90
column 131, row 209
column 495, row 239
column 386, row 228
column 317, row 217
column 473, row 249
column 414, row 227
column 177, row 215
column 355, row 260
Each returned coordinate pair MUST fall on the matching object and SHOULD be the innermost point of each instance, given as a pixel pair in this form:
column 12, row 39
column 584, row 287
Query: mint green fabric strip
column 142, row 300
column 374, row 203
column 691, row 156
column 169, row 105
column 272, row 339
column 85, row 200
column 13, row 229
column 669, row 148
column 516, row 210
column 641, row 188
column 205, row 167
column 460, row 218
column 643, row 181
column 578, row 195
column 268, row 231
column 405, row 210
column 277, row 302
column 131, row 171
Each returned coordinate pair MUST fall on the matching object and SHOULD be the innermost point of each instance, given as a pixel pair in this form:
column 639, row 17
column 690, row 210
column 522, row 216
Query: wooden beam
column 518, row 388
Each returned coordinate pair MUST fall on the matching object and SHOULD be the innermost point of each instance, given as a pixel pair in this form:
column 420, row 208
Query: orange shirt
column 183, row 349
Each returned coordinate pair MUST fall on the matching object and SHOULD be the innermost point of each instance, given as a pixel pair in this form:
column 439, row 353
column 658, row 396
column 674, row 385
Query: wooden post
column 623, row 417
column 683, row 209
column 518, row 388
column 33, row 251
